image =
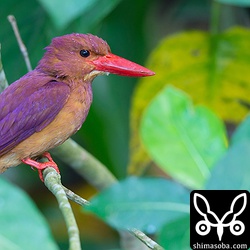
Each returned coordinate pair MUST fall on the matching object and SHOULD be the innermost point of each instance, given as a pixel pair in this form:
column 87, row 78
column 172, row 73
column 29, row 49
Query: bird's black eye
column 84, row 53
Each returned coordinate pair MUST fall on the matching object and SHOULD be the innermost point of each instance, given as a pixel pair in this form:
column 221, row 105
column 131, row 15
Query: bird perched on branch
column 49, row 104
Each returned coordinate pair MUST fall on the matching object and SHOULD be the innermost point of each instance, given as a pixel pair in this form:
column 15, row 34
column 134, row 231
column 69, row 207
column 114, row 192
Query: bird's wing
column 33, row 114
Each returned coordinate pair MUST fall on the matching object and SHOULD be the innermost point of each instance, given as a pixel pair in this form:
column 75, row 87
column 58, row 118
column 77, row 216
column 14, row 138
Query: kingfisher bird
column 49, row 104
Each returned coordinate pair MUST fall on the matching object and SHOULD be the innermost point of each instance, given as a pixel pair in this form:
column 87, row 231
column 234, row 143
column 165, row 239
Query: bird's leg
column 40, row 166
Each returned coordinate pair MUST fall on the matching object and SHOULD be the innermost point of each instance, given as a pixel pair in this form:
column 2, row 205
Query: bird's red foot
column 40, row 166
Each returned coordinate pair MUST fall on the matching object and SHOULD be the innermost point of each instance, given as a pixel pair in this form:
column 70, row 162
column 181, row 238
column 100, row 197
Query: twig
column 145, row 239
column 76, row 198
column 22, row 47
column 3, row 80
column 99, row 176
column 129, row 242
column 52, row 181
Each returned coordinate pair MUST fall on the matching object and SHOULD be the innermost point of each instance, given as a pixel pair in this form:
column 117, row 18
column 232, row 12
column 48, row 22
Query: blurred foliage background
column 132, row 29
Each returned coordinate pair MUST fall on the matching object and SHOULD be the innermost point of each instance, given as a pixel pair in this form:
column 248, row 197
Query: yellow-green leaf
column 214, row 71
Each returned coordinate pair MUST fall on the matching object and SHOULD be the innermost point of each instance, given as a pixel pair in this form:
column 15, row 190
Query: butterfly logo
column 203, row 227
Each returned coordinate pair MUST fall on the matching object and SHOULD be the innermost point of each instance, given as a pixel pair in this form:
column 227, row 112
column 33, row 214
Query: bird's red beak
column 120, row 66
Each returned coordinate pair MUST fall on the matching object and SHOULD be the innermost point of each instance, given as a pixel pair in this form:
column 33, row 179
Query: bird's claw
column 40, row 166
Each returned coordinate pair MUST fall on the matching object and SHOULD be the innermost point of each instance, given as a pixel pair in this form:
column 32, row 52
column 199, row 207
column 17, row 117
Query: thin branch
column 129, row 242
column 145, row 239
column 100, row 177
column 3, row 80
column 52, row 181
column 22, row 47
column 76, row 198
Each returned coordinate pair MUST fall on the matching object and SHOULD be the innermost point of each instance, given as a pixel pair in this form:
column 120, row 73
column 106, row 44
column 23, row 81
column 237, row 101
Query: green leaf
column 242, row 3
column 143, row 203
column 233, row 170
column 184, row 141
column 176, row 234
column 91, row 10
column 242, row 132
column 22, row 226
column 212, row 70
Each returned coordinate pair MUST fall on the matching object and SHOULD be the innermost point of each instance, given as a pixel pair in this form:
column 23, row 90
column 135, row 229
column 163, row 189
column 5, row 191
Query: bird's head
column 85, row 56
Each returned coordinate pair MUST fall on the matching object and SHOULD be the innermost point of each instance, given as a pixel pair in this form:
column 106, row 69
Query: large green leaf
column 22, row 227
column 91, row 10
column 184, row 141
column 176, row 234
column 143, row 203
column 214, row 71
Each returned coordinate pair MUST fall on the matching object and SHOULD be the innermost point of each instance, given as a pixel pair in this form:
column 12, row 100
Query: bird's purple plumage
column 31, row 111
